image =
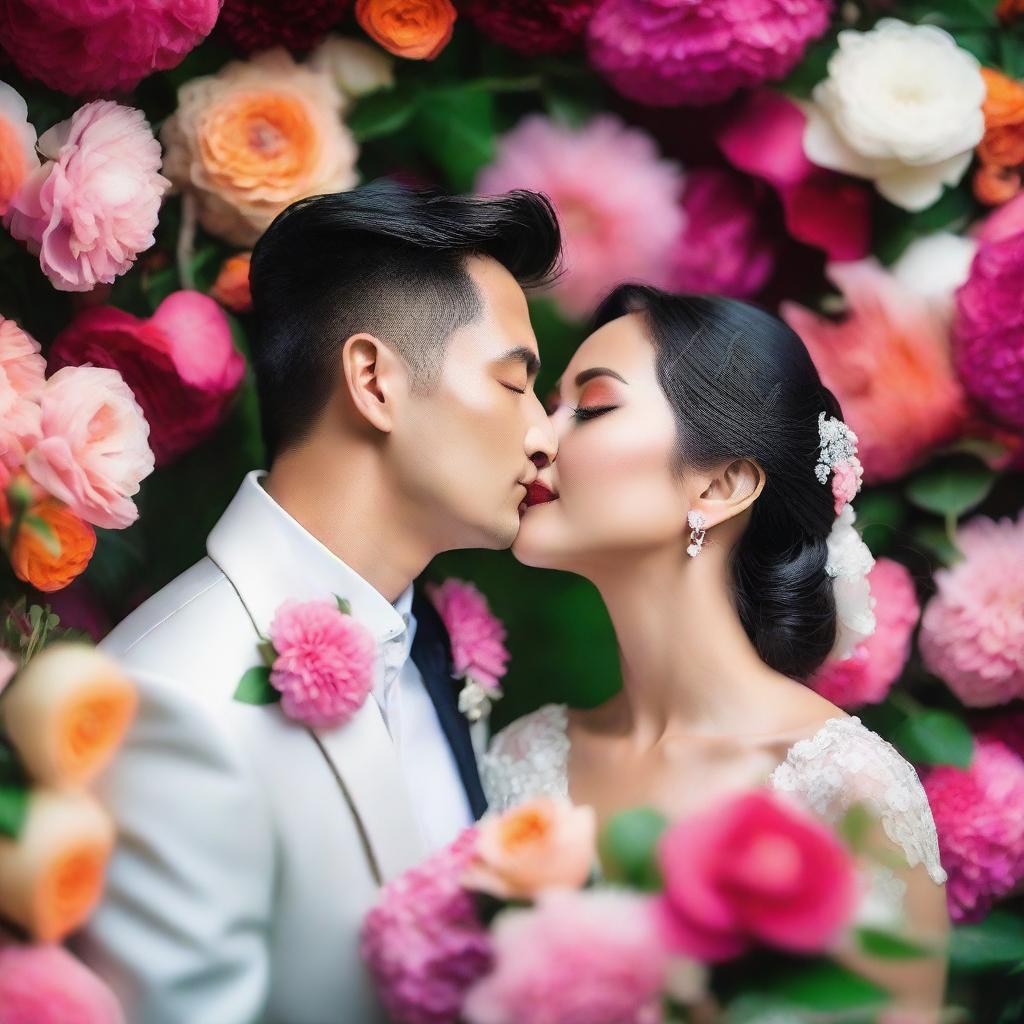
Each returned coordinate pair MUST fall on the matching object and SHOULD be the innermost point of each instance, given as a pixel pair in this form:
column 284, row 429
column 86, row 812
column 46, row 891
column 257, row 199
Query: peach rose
column 231, row 289
column 53, row 546
column 539, row 844
column 414, row 29
column 95, row 448
column 17, row 144
column 251, row 139
column 68, row 713
column 22, row 375
column 51, row 876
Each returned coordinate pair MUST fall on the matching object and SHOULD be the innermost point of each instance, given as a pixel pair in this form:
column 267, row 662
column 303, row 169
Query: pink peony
column 180, row 363
column 45, row 983
column 723, row 247
column 94, row 451
column 972, row 631
column 592, row 956
column 423, row 942
column 101, row 46
column 889, row 364
column 876, row 663
column 989, row 327
column 754, row 869
column 477, row 637
column 22, row 376
column 670, row 52
column 17, row 145
column 979, row 816
column 92, row 207
column 324, row 663
column 617, row 202
column 531, row 27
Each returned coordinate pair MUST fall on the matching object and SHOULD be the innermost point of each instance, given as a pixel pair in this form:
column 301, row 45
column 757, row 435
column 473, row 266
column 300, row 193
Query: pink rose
column 92, row 207
column 755, row 869
column 17, row 144
column 477, row 637
column 181, row 364
column 22, row 376
column 94, row 451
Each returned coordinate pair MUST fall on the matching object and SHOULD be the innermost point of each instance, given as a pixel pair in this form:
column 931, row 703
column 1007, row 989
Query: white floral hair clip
column 838, row 456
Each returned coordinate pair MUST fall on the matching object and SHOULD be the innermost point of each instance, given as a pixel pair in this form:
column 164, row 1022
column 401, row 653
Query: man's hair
column 387, row 260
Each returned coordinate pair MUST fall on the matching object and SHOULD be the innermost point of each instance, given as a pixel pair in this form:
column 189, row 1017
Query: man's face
column 465, row 447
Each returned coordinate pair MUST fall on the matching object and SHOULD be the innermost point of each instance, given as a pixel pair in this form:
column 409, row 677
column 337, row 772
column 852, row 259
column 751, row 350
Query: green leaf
column 951, row 491
column 826, row 987
column 627, row 847
column 267, row 652
column 936, row 539
column 382, row 113
column 45, row 531
column 344, row 606
column 855, row 825
column 456, row 128
column 254, row 687
column 998, row 941
column 13, row 808
column 935, row 737
column 890, row 946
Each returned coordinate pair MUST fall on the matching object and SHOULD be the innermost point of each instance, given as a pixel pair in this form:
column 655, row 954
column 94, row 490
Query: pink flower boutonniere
column 478, row 648
column 318, row 662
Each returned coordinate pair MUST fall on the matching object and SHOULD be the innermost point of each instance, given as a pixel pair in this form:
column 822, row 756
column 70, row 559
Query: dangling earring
column 696, row 520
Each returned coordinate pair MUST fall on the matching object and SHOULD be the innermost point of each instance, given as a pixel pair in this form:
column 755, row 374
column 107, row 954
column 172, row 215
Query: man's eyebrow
column 597, row 371
column 523, row 355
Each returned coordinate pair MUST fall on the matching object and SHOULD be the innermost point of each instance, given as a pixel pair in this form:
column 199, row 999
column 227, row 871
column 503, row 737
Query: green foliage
column 628, row 845
column 935, row 737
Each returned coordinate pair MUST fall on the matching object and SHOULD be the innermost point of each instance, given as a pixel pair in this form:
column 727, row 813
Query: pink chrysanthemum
column 324, row 664
column 979, row 816
column 876, row 663
column 617, row 202
column 477, row 636
column 531, row 27
column 669, row 52
column 972, row 632
column 988, row 331
column 423, row 942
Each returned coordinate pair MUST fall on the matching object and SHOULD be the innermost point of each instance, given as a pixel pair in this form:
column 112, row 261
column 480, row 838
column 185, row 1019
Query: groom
column 395, row 363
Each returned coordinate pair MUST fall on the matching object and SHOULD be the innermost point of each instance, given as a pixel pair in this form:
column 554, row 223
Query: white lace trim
column 844, row 761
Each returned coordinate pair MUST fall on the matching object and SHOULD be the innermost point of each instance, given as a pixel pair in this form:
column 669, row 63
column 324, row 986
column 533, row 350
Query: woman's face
column 617, row 491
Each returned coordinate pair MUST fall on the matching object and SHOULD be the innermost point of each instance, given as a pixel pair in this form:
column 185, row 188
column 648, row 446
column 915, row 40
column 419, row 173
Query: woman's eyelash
column 518, row 391
column 588, row 413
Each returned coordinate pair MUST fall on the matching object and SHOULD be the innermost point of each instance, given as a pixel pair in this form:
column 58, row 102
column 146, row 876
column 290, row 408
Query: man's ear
column 375, row 376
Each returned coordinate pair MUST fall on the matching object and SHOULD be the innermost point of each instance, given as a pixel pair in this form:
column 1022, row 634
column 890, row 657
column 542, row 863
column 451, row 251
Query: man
column 394, row 363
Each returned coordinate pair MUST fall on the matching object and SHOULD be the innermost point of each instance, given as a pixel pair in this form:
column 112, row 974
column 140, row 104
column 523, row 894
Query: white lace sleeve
column 527, row 758
column 845, row 762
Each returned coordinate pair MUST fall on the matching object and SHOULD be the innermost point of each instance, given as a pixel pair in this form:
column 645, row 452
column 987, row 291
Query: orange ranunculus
column 995, row 185
column 1009, row 10
column 67, row 713
column 415, row 29
column 51, row 876
column 53, row 546
column 1001, row 150
column 231, row 289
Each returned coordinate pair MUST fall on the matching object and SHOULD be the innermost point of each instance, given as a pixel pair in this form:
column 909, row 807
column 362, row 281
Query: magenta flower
column 91, row 208
column 477, row 636
column 979, row 816
column 324, row 663
column 423, row 942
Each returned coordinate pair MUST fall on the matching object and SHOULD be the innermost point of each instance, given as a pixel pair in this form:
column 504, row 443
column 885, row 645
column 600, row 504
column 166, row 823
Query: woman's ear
column 732, row 490
column 375, row 377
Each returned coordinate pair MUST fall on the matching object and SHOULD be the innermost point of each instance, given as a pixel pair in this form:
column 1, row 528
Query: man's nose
column 541, row 440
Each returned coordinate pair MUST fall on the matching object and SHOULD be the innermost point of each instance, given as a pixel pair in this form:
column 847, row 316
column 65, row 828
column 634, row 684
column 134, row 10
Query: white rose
column 934, row 266
column 849, row 562
column 357, row 67
column 902, row 106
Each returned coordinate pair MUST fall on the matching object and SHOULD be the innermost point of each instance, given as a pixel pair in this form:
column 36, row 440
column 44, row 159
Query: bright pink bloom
column 181, row 364
column 324, row 663
column 423, row 942
column 972, row 631
column 95, row 448
column 43, row 983
column 22, row 375
column 868, row 674
column 100, row 46
column 755, row 869
column 670, row 52
column 617, row 201
column 888, row 362
column 591, row 955
column 477, row 636
column 1002, row 222
column 91, row 208
column 979, row 816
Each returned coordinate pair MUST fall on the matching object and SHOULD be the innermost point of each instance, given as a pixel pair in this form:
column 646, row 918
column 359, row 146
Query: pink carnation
column 988, row 329
column 423, row 942
column 875, row 664
column 46, row 983
column 99, row 46
column 477, row 636
column 324, row 663
column 22, row 375
column 91, row 208
column 670, row 52
column 592, row 956
column 972, row 632
column 723, row 247
column 979, row 816
column 617, row 202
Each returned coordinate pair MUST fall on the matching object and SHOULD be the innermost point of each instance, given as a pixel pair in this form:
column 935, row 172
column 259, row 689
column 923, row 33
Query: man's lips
column 537, row 494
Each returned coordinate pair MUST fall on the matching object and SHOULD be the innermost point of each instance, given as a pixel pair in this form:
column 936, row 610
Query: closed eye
column 518, row 391
column 592, row 411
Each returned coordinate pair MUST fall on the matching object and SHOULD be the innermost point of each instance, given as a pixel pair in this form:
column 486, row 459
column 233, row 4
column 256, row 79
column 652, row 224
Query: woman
column 701, row 465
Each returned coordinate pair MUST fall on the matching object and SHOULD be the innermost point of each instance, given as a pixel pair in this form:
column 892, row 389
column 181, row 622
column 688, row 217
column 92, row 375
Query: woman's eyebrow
column 597, row 371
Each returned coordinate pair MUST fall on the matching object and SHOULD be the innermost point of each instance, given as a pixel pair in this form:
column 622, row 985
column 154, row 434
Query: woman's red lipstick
column 538, row 493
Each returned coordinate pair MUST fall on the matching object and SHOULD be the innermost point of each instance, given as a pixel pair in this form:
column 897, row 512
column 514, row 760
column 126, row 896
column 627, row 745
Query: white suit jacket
column 250, row 847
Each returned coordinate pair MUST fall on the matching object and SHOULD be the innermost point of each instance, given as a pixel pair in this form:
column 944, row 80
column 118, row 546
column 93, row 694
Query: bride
column 700, row 465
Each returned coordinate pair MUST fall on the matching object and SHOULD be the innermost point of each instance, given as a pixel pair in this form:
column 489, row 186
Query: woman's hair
column 742, row 385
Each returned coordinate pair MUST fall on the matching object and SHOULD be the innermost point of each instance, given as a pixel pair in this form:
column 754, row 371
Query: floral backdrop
column 855, row 167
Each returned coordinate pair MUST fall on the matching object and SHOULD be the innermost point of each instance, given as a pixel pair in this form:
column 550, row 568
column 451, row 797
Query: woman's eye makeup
column 595, row 400
column 589, row 412
column 512, row 387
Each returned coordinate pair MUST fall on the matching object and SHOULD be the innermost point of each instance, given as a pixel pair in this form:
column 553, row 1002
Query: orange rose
column 538, row 844
column 1001, row 150
column 415, row 29
column 52, row 547
column 231, row 289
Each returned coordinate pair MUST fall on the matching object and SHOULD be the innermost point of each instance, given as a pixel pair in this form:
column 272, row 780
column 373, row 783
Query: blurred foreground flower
column 17, row 144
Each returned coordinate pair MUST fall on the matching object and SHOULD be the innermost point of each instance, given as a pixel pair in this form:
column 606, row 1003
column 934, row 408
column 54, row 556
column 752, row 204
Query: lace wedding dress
column 843, row 762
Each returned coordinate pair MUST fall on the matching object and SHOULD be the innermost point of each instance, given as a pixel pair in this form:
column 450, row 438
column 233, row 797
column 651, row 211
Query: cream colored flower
column 358, row 68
